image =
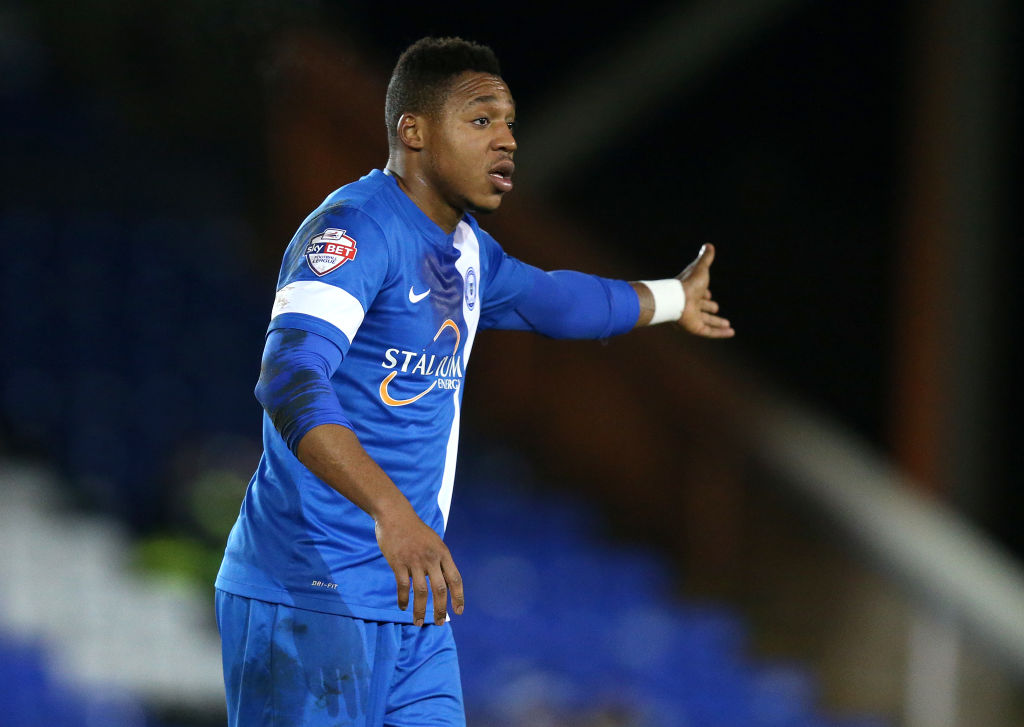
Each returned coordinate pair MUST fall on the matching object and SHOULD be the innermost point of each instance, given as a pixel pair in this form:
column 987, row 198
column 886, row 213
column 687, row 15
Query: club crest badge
column 470, row 288
column 329, row 250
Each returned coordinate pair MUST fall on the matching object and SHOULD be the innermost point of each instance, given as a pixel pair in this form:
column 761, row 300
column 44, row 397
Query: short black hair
column 424, row 72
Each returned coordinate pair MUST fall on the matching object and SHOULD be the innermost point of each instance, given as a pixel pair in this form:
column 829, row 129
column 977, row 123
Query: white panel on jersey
column 335, row 306
column 444, row 495
column 468, row 266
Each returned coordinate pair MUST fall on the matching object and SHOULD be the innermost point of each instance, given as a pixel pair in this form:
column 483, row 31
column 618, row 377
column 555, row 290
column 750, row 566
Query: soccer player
column 381, row 293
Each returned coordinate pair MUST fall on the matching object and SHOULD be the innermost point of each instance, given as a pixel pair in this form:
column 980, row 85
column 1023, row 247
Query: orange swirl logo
column 447, row 370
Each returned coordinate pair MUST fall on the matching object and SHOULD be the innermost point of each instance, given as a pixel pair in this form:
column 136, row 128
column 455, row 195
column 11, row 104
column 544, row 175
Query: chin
column 483, row 207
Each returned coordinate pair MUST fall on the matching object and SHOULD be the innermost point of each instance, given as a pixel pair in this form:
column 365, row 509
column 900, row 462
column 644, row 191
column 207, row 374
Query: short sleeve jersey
column 402, row 300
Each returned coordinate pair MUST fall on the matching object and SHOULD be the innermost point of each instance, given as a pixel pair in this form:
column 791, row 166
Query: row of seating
column 32, row 693
column 563, row 627
column 566, row 623
column 118, row 354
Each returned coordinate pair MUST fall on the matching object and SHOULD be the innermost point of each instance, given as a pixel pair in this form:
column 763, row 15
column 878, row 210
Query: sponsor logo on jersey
column 444, row 370
column 329, row 250
column 417, row 297
column 470, row 288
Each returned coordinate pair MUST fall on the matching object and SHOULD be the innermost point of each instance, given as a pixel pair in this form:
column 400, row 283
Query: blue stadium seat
column 557, row 615
column 30, row 694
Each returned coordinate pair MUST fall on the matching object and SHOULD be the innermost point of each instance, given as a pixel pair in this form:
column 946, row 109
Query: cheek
column 459, row 158
column 461, row 162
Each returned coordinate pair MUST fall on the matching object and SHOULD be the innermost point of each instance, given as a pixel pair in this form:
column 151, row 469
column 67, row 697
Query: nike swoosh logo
column 417, row 297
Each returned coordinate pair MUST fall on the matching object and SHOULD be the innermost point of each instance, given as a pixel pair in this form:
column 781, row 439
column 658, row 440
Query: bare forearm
column 646, row 303
column 413, row 550
column 333, row 453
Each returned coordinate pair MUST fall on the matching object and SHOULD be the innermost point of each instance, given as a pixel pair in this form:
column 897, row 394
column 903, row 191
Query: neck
column 419, row 189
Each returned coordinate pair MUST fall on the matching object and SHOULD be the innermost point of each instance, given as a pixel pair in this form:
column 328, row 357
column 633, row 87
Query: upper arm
column 332, row 271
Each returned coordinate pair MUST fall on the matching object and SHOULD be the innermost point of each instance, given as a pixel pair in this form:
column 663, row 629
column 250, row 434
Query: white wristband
column 669, row 299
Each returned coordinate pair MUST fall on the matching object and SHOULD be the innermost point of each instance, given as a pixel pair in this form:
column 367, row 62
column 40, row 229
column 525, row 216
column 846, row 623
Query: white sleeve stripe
column 335, row 306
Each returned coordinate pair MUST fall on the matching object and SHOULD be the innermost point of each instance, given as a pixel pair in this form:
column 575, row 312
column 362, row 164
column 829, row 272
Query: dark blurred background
column 857, row 165
column 794, row 153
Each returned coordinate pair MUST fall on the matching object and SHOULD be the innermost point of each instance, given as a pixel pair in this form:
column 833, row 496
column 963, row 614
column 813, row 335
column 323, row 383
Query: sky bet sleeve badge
column 329, row 250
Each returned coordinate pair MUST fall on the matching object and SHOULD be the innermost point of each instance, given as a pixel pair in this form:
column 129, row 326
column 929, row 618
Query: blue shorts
column 287, row 666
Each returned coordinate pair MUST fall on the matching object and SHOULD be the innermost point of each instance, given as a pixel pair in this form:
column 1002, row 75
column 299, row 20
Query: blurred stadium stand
column 88, row 640
column 134, row 299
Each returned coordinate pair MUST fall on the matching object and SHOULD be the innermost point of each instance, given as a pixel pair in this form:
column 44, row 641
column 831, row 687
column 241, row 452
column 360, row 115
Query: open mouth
column 501, row 174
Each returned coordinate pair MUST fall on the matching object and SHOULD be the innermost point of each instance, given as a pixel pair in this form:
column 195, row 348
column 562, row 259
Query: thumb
column 706, row 255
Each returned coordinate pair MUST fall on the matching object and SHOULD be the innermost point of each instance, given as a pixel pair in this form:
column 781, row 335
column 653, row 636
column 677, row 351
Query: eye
column 512, row 126
column 482, row 121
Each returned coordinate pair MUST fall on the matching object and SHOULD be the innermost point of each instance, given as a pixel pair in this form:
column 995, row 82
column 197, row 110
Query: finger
column 717, row 328
column 440, row 589
column 402, row 579
column 454, row 580
column 709, row 306
column 419, row 597
column 715, row 321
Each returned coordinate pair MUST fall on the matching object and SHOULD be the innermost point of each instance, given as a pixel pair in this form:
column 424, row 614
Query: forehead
column 473, row 88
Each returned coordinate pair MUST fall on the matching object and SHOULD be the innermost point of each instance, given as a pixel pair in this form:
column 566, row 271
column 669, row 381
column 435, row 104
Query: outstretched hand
column 414, row 551
column 700, row 314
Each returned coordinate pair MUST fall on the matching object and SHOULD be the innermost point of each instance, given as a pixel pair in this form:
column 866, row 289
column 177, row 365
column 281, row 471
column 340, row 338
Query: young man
column 381, row 293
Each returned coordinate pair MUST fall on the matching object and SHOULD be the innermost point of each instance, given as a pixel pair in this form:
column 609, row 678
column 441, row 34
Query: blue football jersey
column 403, row 300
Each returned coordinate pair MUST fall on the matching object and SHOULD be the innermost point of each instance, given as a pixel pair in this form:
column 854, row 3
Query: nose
column 505, row 140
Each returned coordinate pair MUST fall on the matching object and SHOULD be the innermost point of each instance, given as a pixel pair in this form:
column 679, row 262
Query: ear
column 411, row 130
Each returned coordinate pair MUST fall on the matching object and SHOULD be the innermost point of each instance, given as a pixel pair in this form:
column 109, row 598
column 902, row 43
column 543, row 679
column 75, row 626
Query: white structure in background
column 961, row 583
column 64, row 579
